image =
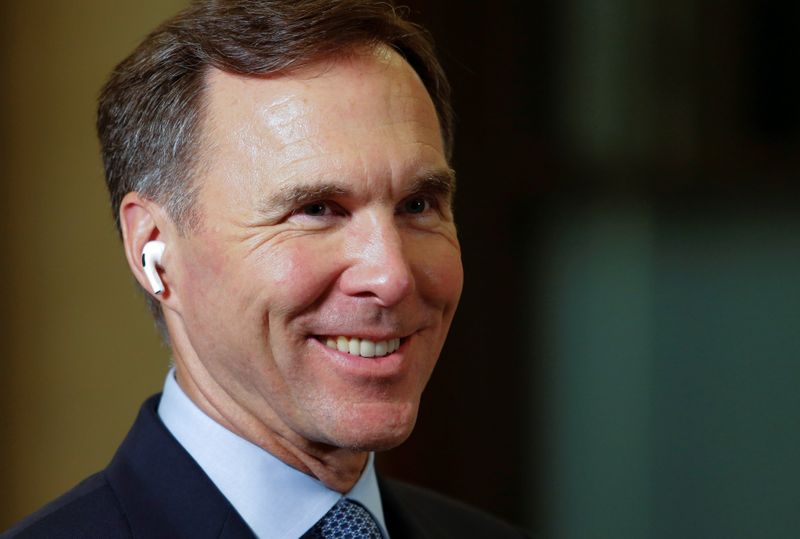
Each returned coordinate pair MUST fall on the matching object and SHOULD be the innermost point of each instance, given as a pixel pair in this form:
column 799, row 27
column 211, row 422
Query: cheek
column 296, row 275
column 285, row 265
column 205, row 282
column 443, row 275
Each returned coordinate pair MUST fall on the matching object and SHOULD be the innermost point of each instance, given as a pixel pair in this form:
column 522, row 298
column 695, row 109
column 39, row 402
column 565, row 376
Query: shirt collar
column 274, row 499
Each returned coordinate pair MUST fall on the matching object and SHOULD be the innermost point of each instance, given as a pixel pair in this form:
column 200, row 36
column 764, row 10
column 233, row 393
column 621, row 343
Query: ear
column 142, row 221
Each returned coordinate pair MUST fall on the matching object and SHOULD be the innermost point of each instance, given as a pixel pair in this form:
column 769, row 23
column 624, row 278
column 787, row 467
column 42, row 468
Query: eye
column 317, row 209
column 416, row 205
column 316, row 214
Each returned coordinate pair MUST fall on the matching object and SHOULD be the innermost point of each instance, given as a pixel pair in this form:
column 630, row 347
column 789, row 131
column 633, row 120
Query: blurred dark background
column 624, row 362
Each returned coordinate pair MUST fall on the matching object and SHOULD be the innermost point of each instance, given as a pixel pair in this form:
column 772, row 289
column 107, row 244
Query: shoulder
column 417, row 512
column 89, row 510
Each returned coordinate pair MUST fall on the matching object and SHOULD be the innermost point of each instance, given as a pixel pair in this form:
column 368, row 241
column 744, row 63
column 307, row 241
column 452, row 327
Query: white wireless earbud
column 151, row 256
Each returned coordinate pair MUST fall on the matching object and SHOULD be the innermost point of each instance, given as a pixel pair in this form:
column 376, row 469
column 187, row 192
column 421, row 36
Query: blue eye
column 416, row 205
column 317, row 209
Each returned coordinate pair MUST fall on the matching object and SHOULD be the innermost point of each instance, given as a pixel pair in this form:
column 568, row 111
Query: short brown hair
column 150, row 109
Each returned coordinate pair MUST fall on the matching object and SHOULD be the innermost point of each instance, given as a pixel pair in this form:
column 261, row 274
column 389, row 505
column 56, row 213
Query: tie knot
column 346, row 520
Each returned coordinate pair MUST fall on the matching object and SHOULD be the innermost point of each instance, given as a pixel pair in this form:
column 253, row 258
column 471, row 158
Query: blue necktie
column 346, row 520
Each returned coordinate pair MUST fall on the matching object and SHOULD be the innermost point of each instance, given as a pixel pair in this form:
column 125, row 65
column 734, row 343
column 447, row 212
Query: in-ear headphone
column 151, row 256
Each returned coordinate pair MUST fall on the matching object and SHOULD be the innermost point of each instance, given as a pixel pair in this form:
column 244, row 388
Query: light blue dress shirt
column 274, row 499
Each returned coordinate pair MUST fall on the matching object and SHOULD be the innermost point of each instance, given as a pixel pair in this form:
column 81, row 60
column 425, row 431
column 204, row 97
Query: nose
column 378, row 264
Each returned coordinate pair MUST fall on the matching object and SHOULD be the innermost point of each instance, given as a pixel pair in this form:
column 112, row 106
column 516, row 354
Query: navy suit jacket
column 153, row 489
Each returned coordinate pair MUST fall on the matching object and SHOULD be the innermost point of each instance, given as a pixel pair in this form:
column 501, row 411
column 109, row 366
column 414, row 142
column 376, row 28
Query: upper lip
column 372, row 336
column 394, row 328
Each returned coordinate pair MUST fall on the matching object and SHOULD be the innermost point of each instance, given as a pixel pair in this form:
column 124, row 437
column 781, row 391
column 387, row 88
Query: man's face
column 326, row 218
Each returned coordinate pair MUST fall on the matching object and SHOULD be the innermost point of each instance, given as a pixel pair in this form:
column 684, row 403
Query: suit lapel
column 163, row 491
column 235, row 528
column 400, row 520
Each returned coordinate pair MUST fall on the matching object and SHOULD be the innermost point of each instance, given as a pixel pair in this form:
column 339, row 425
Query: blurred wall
column 628, row 207
column 79, row 351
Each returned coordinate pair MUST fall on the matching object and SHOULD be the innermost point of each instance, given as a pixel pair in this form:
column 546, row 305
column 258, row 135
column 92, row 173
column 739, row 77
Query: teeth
column 362, row 347
column 367, row 348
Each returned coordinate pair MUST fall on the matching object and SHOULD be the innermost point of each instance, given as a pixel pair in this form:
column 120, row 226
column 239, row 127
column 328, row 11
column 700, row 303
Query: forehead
column 366, row 105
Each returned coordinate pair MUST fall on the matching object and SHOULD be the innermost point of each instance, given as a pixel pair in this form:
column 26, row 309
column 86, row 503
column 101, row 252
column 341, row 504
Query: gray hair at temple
column 151, row 109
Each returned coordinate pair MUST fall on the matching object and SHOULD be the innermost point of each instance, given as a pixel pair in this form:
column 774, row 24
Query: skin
column 325, row 205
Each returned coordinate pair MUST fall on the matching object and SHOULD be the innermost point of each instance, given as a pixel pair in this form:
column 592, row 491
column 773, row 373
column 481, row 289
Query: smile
column 362, row 347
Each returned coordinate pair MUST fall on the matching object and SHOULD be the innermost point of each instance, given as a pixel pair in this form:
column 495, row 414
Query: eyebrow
column 438, row 182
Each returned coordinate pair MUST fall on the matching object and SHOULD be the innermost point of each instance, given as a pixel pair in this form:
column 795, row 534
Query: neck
column 337, row 468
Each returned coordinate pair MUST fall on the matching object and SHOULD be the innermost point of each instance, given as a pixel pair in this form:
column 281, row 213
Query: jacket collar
column 163, row 491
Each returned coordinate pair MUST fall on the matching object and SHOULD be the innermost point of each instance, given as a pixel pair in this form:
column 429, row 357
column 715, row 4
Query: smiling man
column 289, row 160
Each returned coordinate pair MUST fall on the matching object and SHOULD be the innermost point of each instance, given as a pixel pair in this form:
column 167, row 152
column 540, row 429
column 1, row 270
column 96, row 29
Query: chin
column 375, row 427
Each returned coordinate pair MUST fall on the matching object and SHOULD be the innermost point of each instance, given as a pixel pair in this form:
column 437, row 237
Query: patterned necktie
column 346, row 520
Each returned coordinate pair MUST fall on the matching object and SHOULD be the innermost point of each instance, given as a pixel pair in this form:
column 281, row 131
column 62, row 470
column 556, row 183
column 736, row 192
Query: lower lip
column 380, row 367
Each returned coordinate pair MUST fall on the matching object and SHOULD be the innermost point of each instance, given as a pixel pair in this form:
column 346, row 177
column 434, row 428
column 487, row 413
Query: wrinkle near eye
column 259, row 243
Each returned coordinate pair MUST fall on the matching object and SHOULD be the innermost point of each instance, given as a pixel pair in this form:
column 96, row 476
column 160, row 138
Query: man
column 279, row 174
